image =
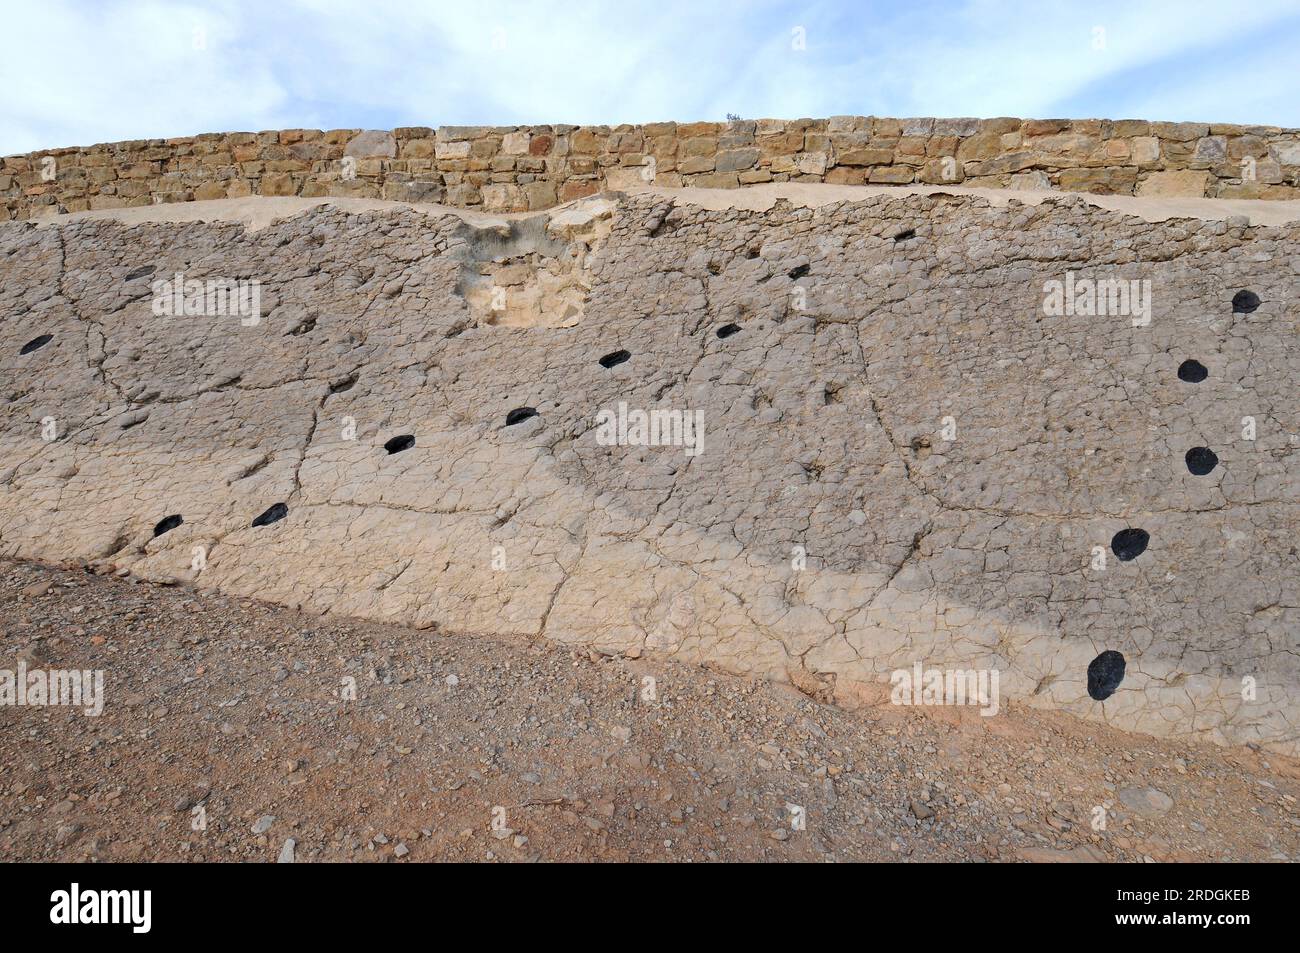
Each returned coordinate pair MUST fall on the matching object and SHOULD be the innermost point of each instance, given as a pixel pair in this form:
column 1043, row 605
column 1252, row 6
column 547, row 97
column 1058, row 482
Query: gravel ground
column 226, row 715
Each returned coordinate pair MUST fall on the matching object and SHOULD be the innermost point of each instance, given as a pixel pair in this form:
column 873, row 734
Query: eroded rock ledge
column 903, row 457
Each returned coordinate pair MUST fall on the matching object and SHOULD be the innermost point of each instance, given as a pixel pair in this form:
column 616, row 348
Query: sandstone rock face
column 881, row 443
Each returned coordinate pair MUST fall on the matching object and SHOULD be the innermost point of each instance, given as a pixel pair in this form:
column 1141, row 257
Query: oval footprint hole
column 1244, row 302
column 167, row 524
column 799, row 272
column 727, row 330
column 1130, row 543
column 1193, row 372
column 272, row 515
column 399, row 443
column 519, row 415
column 35, row 344
column 615, row 358
column 1201, row 460
column 905, row 234
column 1105, row 672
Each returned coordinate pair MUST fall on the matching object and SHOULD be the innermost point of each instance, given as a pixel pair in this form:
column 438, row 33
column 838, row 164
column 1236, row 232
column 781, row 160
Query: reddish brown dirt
column 229, row 710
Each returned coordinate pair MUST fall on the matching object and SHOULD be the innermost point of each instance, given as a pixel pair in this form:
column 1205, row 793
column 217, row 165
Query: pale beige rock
column 1286, row 153
column 451, row 150
column 624, row 178
column 504, row 198
column 1181, row 183
column 811, row 163
column 1146, row 150
column 1031, row 181
column 372, row 143
column 516, row 143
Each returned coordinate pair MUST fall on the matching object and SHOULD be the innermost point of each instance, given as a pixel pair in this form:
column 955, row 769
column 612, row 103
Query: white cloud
column 82, row 72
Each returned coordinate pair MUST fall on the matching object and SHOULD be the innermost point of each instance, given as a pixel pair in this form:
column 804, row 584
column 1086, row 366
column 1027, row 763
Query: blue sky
column 78, row 72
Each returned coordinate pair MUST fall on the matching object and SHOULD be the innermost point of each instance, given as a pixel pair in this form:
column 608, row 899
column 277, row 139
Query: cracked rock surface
column 903, row 458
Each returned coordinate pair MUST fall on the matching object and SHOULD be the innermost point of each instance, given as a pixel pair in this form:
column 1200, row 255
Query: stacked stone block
column 526, row 168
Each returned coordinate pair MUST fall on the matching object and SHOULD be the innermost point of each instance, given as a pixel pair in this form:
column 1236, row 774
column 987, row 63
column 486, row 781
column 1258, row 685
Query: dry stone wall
column 522, row 168
column 895, row 441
